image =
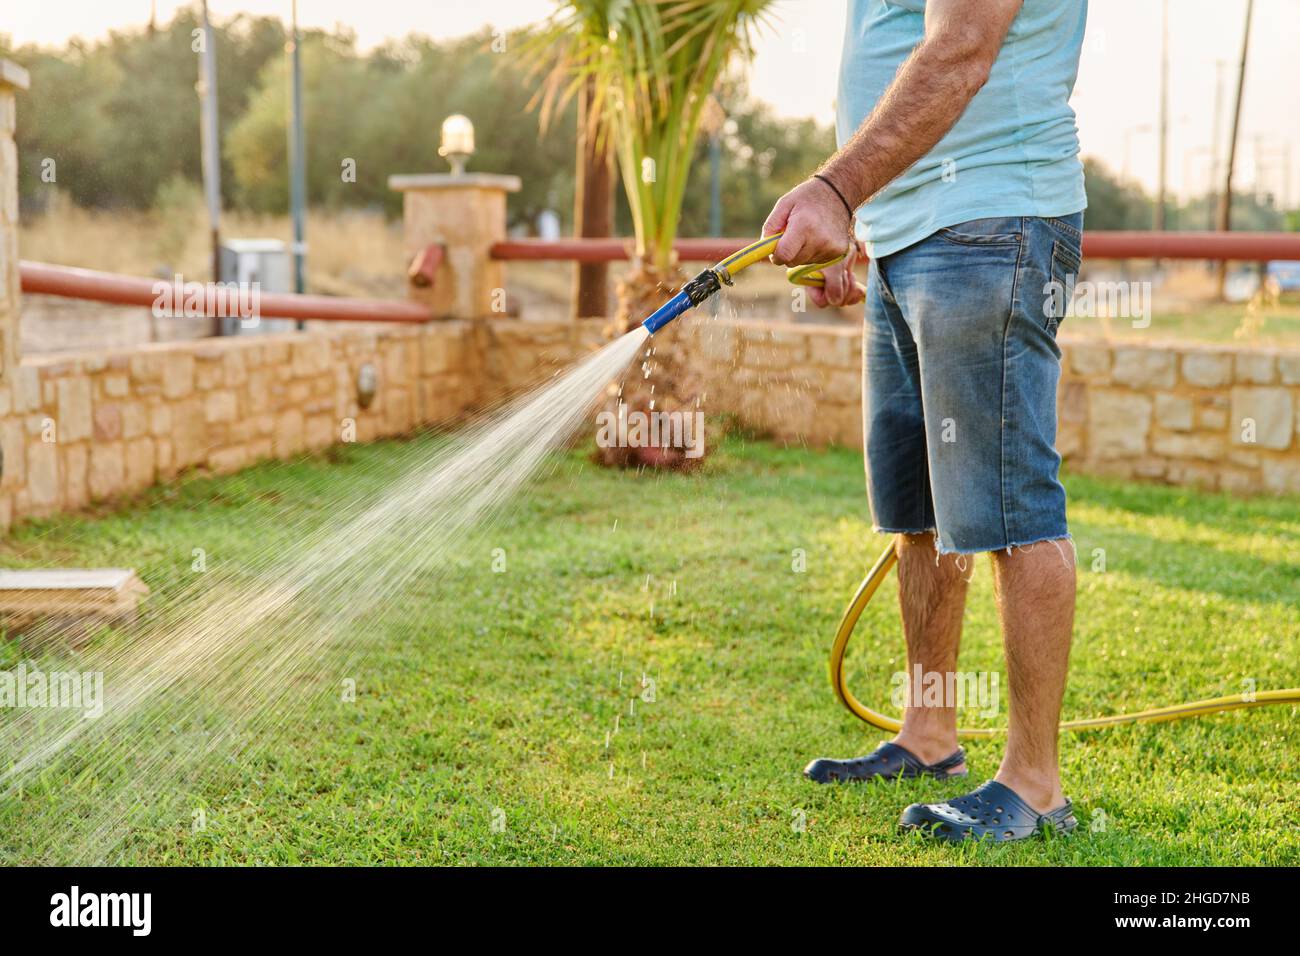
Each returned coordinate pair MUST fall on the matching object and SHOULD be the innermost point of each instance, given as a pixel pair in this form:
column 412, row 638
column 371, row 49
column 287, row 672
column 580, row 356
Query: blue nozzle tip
column 667, row 312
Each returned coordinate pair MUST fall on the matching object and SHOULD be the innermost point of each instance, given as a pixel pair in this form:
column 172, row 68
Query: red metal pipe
column 1240, row 246
column 423, row 269
column 1243, row 246
column 39, row 278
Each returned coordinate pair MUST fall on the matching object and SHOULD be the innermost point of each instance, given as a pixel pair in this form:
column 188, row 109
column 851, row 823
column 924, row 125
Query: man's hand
column 815, row 223
column 841, row 286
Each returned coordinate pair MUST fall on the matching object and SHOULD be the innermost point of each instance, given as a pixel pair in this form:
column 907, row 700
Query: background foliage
column 120, row 119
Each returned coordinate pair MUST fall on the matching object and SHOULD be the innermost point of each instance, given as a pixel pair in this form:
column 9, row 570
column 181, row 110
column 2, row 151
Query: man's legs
column 932, row 598
column 1035, row 593
column 973, row 298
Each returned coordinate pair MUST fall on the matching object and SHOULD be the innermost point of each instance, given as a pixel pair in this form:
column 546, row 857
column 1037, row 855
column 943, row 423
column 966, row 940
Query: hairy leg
column 1035, row 589
column 932, row 596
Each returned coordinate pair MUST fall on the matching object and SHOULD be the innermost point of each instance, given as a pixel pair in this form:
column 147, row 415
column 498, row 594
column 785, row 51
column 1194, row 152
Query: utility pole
column 1216, row 144
column 211, row 146
column 1261, row 183
column 1164, row 117
column 1285, row 204
column 297, row 164
column 1225, row 198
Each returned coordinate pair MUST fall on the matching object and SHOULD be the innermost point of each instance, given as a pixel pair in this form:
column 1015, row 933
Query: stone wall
column 1211, row 416
column 85, row 427
column 82, row 427
column 1218, row 417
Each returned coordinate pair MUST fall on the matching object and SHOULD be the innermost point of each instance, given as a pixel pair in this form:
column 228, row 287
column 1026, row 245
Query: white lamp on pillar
column 457, row 142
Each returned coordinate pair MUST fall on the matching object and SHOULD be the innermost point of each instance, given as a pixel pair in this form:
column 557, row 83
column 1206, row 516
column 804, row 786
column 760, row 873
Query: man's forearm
column 929, row 94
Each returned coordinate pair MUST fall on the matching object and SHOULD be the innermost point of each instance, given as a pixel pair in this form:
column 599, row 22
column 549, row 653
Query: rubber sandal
column 991, row 811
column 889, row 761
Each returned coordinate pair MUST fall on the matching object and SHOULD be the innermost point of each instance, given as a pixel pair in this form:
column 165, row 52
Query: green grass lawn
column 500, row 718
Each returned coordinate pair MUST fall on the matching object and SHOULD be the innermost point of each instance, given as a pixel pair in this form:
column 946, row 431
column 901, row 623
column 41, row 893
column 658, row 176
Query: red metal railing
column 39, row 278
column 1243, row 246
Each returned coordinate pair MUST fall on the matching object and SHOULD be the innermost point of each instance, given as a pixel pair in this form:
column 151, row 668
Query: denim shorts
column 961, row 367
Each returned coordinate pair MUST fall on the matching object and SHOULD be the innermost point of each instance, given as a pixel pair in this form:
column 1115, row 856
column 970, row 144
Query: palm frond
column 653, row 64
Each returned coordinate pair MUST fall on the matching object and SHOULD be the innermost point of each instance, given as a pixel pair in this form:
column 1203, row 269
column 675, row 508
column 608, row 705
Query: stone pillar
column 12, row 79
column 465, row 214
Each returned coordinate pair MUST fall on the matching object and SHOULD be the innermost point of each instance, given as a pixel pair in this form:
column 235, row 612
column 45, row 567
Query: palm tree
column 648, row 69
column 654, row 64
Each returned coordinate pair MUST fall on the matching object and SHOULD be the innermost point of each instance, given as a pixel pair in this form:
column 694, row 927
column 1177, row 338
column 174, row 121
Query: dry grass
column 349, row 253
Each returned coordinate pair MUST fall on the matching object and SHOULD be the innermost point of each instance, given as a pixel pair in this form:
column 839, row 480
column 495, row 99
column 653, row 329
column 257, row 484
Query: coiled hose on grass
column 871, row 583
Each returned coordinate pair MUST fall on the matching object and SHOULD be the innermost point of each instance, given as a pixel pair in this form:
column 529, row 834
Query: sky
column 794, row 69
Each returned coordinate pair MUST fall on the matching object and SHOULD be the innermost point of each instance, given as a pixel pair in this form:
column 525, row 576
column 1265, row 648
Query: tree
column 653, row 67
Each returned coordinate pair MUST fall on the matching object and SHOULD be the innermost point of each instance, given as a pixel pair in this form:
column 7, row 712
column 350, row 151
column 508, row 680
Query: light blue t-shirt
column 1013, row 152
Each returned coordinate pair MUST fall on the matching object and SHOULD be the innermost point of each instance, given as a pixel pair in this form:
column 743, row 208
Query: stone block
column 74, row 419
column 1280, row 476
column 74, row 468
column 1206, row 447
column 1174, row 412
column 225, row 461
column 135, row 420
column 108, row 422
column 43, row 485
column 1256, row 368
column 1207, row 369
column 141, row 464
column 321, row 432
column 177, row 374
column 220, row 406
column 1144, row 368
column 107, row 473
column 1267, row 413
column 290, row 435
column 1089, row 360
column 1118, row 422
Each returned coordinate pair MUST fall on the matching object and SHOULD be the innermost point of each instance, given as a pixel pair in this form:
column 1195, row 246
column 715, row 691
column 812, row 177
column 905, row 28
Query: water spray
column 710, row 281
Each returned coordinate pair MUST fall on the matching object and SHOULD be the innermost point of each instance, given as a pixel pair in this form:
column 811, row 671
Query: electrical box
column 256, row 266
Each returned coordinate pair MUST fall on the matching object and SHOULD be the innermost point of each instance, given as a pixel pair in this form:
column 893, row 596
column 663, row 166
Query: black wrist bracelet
column 835, row 190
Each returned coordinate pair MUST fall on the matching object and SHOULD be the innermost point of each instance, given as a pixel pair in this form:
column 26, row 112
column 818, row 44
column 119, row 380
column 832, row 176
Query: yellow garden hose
column 871, row 583
column 808, row 275
column 723, row 273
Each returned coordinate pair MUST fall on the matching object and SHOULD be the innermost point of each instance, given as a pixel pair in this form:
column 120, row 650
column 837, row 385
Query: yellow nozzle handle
column 805, row 275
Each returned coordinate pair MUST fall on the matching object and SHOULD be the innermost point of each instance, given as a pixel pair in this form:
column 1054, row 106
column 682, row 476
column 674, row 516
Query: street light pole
column 1164, row 116
column 1225, row 198
column 297, row 163
column 211, row 146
